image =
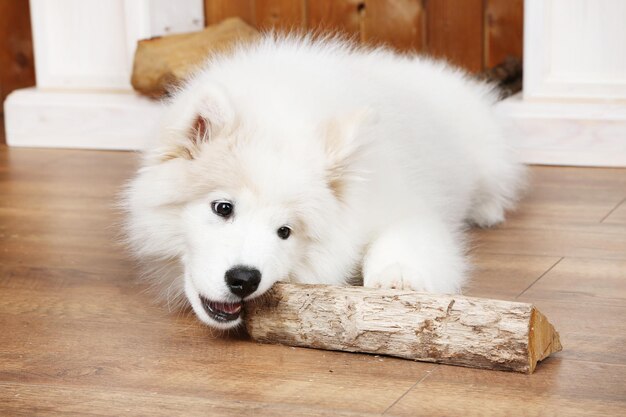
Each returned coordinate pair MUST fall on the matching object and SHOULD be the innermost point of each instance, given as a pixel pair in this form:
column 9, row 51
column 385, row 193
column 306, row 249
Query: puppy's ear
column 344, row 142
column 196, row 116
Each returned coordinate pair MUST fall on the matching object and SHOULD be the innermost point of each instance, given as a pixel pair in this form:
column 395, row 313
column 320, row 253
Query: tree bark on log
column 162, row 63
column 450, row 329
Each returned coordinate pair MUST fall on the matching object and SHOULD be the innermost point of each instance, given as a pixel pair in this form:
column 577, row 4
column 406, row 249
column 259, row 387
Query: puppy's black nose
column 243, row 280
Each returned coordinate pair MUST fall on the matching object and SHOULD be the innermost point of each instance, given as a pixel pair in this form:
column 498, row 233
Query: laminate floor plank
column 558, row 388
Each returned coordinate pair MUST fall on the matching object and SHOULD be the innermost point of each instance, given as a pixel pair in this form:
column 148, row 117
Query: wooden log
column 162, row 63
column 507, row 75
column 450, row 329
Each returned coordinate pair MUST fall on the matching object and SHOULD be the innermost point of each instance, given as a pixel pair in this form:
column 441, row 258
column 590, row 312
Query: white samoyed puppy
column 317, row 161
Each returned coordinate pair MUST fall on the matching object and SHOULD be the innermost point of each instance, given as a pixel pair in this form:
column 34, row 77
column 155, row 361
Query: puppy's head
column 235, row 200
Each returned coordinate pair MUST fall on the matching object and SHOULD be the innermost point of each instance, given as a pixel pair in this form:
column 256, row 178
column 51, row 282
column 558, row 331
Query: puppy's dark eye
column 283, row 232
column 222, row 208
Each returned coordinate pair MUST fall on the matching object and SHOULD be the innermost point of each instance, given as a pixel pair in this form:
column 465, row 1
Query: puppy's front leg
column 421, row 254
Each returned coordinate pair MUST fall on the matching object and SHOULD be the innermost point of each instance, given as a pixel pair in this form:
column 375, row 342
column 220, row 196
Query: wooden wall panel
column 17, row 66
column 504, row 27
column 335, row 15
column 474, row 34
column 217, row 10
column 455, row 31
column 280, row 14
column 399, row 23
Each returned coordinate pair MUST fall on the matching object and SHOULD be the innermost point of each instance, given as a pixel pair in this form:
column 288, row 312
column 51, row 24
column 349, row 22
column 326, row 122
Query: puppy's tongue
column 230, row 308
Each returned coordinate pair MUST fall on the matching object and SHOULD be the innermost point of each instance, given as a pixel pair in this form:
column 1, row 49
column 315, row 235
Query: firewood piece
column 450, row 329
column 162, row 63
column 507, row 75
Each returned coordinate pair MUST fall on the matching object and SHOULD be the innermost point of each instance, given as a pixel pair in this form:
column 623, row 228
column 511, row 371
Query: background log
column 162, row 63
column 448, row 329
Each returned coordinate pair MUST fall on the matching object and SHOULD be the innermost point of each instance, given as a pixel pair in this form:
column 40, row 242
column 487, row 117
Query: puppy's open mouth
column 222, row 312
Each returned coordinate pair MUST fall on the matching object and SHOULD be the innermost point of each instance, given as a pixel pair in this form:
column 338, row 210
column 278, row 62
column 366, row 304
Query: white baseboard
column 568, row 133
column 583, row 134
column 49, row 119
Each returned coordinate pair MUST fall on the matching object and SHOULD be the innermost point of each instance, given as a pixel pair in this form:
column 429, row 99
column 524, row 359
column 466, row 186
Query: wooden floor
column 78, row 336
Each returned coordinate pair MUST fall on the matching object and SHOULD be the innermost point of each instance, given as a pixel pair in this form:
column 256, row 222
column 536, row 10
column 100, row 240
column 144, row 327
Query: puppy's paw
column 487, row 214
column 398, row 276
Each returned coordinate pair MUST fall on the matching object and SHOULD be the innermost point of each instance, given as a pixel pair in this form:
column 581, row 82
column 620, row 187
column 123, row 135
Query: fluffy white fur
column 376, row 161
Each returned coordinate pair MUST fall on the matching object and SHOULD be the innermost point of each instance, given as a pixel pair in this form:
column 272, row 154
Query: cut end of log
column 543, row 339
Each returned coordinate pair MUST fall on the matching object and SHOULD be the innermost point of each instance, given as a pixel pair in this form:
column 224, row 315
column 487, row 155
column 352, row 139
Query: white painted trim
column 585, row 134
column 568, row 133
column 535, row 46
column 574, row 49
column 123, row 121
column 136, row 24
column 84, row 51
column 90, row 44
